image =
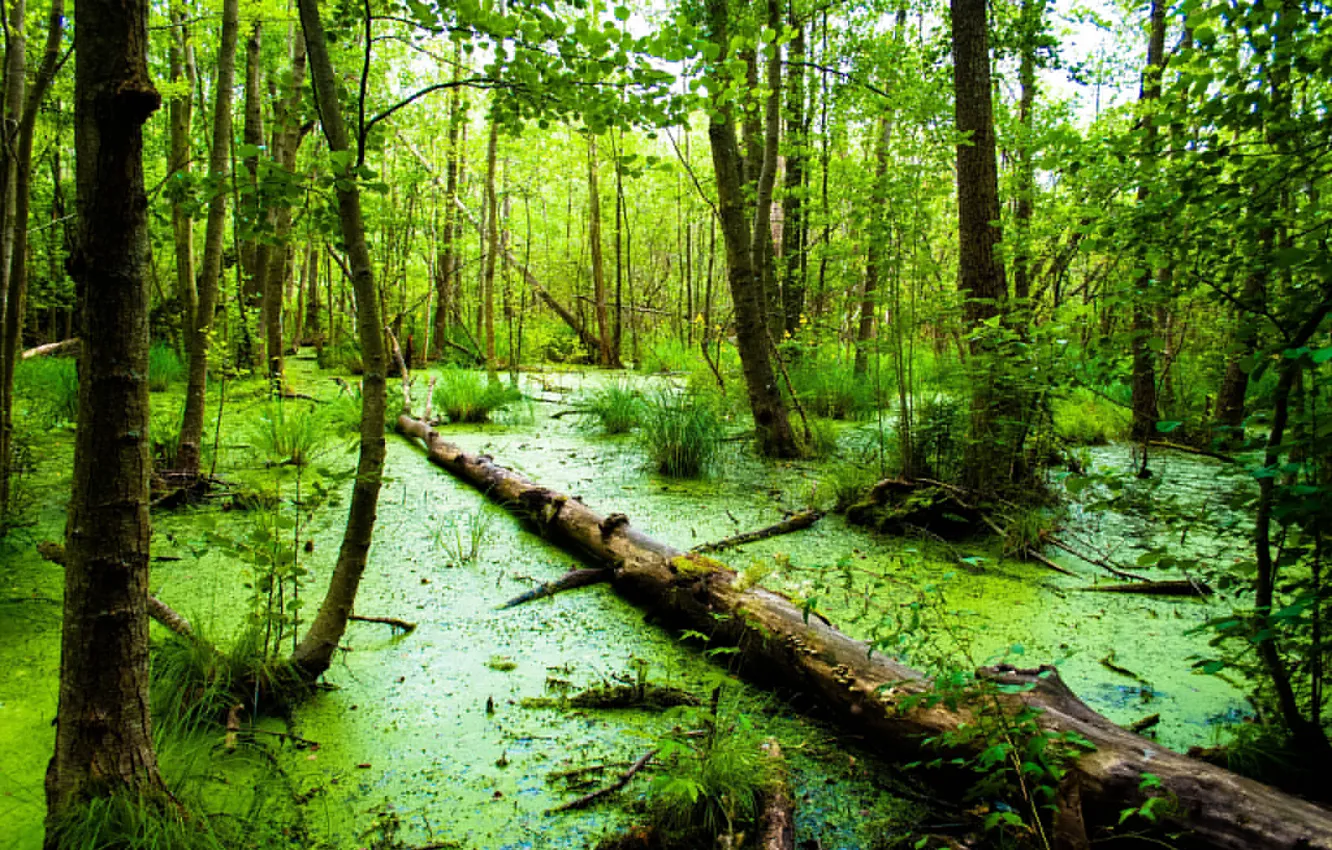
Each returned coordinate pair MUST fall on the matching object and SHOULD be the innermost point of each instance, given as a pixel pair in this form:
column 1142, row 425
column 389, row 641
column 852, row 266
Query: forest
column 724, row 424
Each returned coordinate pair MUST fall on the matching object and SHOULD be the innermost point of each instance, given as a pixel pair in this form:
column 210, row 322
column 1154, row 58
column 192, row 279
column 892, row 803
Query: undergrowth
column 618, row 408
column 164, row 367
column 1084, row 418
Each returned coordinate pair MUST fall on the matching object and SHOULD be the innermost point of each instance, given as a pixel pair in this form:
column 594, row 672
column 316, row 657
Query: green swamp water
column 408, row 726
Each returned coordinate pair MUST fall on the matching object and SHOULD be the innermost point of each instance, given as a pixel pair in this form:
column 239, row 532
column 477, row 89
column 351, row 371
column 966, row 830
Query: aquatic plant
column 289, row 434
column 711, row 786
column 164, row 367
column 618, row 408
column 165, row 434
column 849, row 483
column 461, row 536
column 832, row 390
column 682, row 436
column 133, row 821
column 469, row 396
column 821, row 440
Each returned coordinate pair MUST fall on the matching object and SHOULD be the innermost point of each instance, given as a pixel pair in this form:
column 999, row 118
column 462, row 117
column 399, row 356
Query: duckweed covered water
column 425, row 739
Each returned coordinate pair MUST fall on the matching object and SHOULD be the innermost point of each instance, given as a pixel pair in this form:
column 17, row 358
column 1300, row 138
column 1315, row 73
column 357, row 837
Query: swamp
column 664, row 426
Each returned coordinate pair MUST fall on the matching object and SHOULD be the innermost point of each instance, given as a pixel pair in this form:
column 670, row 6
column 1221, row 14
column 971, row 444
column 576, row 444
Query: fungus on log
column 868, row 694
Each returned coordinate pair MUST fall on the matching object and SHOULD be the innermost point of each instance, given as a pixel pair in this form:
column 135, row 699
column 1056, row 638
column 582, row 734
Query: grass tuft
column 618, row 408
column 681, row 435
column 1084, row 418
column 49, row 387
column 468, row 396
column 164, row 367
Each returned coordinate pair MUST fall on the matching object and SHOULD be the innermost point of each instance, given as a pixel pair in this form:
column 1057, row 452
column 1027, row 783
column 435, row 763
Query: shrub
column 164, row 367
column 822, row 439
column 1088, row 419
column 681, row 435
column 165, row 434
column 667, row 355
column 850, row 482
column 468, row 396
column 940, row 436
column 709, row 788
column 618, row 408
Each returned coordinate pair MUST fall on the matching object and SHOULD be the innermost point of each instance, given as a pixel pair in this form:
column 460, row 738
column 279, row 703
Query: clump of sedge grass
column 618, row 408
column 164, row 367
column 681, row 435
column 709, row 787
column 1084, row 418
column 468, row 396
column 49, row 387
column 289, row 434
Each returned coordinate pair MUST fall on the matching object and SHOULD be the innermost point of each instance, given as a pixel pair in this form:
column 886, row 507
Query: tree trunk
column 878, row 237
column 981, row 279
column 764, row 262
column 1031, row 26
column 16, row 64
column 605, row 350
column 773, row 427
column 446, row 294
column 793, row 203
column 253, row 250
column 492, row 247
column 314, row 331
column 286, row 142
column 869, row 695
column 16, row 299
column 192, row 423
column 178, row 166
column 103, row 734
column 1144, row 356
column 315, row 652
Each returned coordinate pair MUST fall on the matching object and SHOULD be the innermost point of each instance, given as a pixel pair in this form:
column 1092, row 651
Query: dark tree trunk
column 487, row 304
column 446, row 293
column 191, row 428
column 981, row 279
column 764, row 261
column 178, row 165
column 773, row 427
column 1144, row 355
column 1032, row 13
column 878, row 239
column 103, row 731
column 253, row 251
column 315, row 652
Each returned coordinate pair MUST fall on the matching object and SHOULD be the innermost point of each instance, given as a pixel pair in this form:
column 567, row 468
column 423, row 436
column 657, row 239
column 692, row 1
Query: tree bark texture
column 864, row 692
column 315, row 651
column 764, row 260
column 492, row 247
column 793, row 202
column 103, row 729
column 178, row 165
column 876, row 250
column 771, row 422
column 219, row 159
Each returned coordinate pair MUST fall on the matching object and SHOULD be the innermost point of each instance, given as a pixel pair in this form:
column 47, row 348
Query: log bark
column 864, row 692
column 1173, row 587
column 67, row 347
column 777, row 824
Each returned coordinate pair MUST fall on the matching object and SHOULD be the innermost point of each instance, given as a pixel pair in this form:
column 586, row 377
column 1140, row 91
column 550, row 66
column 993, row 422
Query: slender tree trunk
column 16, row 69
column 286, row 142
column 104, row 740
column 773, row 427
column 315, row 652
column 314, row 331
column 605, row 348
column 1144, row 355
column 17, row 296
column 1032, row 13
column 446, row 290
column 487, row 305
column 878, row 236
column 764, row 261
column 178, row 165
column 981, row 279
column 191, row 429
column 254, row 251
column 793, row 202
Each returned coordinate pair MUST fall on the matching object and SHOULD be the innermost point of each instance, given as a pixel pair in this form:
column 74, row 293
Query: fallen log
column 880, row 699
column 1170, row 587
column 795, row 522
column 157, row 609
column 394, row 623
column 68, row 347
column 1192, row 450
column 620, row 781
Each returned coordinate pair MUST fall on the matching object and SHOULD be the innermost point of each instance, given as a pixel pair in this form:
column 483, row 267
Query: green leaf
column 1167, row 427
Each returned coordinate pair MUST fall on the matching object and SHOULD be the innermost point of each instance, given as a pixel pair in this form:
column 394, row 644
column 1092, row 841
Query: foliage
column 682, row 435
column 849, row 482
column 291, row 434
column 133, row 821
column 832, row 390
column 821, row 441
column 461, row 536
column 49, row 386
column 711, row 786
column 1086, row 418
column 164, row 367
column 468, row 396
column 617, row 407
column 941, row 428
column 165, row 433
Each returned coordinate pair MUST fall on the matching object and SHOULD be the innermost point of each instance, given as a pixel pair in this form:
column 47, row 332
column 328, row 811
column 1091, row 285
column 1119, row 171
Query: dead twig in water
column 623, row 780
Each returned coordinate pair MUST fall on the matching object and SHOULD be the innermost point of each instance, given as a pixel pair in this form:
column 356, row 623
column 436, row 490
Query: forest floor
column 407, row 749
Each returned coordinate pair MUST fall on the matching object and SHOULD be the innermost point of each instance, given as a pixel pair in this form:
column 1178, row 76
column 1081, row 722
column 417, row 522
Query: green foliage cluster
column 682, row 435
column 832, row 390
column 48, row 388
column 165, row 367
column 1086, row 418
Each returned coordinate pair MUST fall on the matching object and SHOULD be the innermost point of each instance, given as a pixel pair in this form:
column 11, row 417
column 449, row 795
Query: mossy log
column 897, row 506
column 867, row 694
